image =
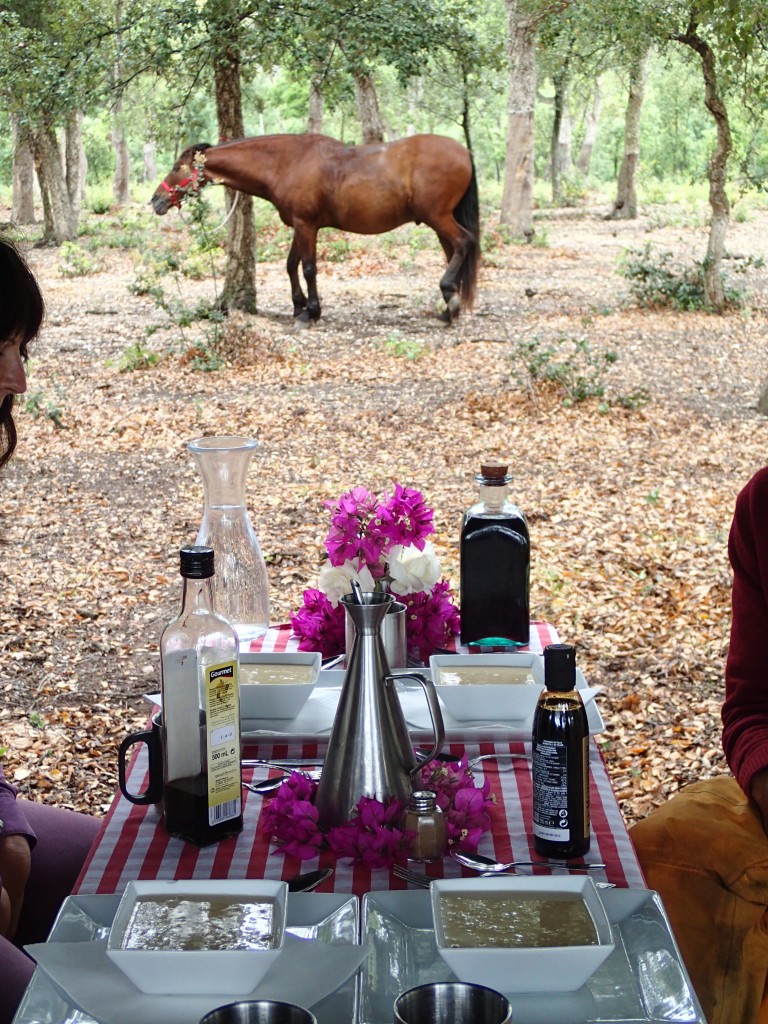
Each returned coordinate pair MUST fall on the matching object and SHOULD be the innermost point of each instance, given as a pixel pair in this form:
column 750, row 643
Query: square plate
column 330, row 917
column 642, row 981
column 316, row 717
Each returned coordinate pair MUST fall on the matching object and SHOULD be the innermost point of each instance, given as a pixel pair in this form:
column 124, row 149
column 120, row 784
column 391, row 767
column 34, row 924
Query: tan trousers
column 706, row 852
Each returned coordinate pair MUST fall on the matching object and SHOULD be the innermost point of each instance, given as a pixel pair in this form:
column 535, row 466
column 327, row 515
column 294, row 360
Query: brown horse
column 317, row 182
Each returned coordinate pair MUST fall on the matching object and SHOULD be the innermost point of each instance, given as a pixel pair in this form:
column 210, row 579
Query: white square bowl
column 520, row 968
column 197, row 971
column 278, row 699
column 458, row 679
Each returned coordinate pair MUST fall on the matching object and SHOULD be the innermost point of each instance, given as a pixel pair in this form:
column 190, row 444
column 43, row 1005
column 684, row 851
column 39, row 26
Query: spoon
column 269, row 785
column 477, row 862
column 309, row 880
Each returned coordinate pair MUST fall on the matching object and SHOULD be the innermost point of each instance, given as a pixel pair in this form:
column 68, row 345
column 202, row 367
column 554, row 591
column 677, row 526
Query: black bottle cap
column 560, row 667
column 196, row 562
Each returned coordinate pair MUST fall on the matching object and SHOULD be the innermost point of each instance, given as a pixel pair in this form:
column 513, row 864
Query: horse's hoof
column 303, row 320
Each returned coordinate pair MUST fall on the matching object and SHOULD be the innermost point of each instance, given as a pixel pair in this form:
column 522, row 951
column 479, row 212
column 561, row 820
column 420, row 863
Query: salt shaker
column 423, row 817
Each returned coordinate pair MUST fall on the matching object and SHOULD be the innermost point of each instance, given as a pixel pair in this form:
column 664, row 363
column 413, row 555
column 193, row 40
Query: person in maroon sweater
column 42, row 848
column 745, row 711
column 706, row 850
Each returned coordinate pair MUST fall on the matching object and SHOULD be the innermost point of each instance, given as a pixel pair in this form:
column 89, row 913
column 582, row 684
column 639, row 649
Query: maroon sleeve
column 745, row 711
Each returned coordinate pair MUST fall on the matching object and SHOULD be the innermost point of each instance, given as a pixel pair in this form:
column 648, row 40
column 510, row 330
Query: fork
column 422, row 881
column 414, row 877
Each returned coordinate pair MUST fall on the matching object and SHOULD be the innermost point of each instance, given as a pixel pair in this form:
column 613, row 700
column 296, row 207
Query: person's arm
column 16, row 842
column 745, row 711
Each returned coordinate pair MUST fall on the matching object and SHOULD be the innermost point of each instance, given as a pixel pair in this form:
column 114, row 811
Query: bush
column 657, row 282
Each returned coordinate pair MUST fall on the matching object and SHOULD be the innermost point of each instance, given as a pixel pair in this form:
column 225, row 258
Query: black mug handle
column 153, row 794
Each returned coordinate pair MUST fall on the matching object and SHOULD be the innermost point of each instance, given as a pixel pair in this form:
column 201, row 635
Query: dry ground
column 629, row 501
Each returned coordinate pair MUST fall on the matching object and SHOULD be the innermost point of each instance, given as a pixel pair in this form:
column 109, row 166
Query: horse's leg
column 298, row 296
column 456, row 242
column 306, row 242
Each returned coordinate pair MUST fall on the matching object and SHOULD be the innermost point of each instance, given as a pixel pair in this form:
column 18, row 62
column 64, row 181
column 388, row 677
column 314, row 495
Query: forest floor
column 629, row 495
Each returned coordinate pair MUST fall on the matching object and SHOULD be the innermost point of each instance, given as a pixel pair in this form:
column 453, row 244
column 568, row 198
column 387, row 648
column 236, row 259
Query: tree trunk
column 61, row 215
column 517, row 195
column 316, row 108
column 240, row 271
column 149, row 168
column 73, row 155
column 625, row 206
column 121, row 182
column 560, row 146
column 23, row 204
column 714, row 292
column 591, row 122
column 368, row 108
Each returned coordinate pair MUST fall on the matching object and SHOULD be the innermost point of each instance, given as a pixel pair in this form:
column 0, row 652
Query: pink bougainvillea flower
column 318, row 625
column 431, row 620
column 405, row 518
column 371, row 836
column 292, row 817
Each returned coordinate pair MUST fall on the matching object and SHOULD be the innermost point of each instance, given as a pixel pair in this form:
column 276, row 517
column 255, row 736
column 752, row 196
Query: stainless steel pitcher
column 370, row 752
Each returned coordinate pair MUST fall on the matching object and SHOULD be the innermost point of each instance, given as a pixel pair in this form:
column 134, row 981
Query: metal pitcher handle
column 436, row 715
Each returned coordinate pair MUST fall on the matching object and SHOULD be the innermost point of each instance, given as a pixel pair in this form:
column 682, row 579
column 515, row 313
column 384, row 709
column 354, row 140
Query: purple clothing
column 12, row 819
column 745, row 711
column 62, row 840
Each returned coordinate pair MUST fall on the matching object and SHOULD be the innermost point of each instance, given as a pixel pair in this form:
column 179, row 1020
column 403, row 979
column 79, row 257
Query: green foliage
column 137, row 357
column 568, row 364
column 38, row 404
column 406, row 348
column 77, row 261
column 658, row 281
column 36, row 720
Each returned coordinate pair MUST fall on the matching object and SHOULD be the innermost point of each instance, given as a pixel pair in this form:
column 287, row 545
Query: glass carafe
column 241, row 589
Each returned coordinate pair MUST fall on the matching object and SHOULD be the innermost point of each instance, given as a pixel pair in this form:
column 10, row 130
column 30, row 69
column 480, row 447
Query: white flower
column 412, row 570
column 336, row 580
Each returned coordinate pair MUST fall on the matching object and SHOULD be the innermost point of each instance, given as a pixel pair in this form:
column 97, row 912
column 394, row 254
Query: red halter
column 183, row 188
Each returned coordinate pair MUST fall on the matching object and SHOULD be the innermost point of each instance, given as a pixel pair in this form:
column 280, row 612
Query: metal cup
column 259, row 1011
column 452, row 1003
column 154, row 739
column 392, row 632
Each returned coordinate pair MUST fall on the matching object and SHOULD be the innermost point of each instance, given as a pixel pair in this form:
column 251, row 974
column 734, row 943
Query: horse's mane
column 189, row 153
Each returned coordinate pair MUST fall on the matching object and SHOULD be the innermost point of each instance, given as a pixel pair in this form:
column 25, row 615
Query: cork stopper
column 493, row 472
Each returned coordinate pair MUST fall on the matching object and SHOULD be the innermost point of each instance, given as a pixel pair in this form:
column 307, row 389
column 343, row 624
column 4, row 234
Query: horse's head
column 186, row 178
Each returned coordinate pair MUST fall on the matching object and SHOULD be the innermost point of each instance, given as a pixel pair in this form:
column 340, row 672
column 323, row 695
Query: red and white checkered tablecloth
column 133, row 844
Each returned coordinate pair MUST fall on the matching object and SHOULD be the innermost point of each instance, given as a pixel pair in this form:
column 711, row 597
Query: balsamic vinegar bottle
column 560, row 760
column 202, row 779
column 495, row 566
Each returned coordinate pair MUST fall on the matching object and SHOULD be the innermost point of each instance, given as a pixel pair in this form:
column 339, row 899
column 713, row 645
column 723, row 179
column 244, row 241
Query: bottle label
column 550, row 792
column 222, row 706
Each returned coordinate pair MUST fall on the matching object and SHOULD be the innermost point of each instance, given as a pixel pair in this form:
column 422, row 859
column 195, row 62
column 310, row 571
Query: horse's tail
column 467, row 213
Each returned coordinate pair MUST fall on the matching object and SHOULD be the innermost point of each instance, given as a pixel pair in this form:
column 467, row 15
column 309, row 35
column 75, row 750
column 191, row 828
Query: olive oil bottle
column 202, row 780
column 560, row 760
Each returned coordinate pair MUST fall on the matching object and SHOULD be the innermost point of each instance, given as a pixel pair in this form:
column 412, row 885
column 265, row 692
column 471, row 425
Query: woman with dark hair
column 42, row 848
column 21, row 314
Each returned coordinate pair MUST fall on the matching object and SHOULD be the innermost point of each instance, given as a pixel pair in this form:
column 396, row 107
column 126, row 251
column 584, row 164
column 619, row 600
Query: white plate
column 331, row 917
column 642, row 981
column 316, row 717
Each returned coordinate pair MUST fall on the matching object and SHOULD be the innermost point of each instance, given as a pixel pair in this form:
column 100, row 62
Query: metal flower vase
column 241, row 589
column 369, row 751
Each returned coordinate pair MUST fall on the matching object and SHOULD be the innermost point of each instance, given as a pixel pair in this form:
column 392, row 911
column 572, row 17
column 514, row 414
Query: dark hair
column 21, row 314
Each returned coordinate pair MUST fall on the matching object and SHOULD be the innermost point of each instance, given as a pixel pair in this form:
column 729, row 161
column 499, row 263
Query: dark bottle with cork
column 495, row 566
column 202, row 780
column 560, row 764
